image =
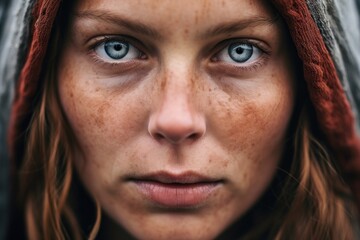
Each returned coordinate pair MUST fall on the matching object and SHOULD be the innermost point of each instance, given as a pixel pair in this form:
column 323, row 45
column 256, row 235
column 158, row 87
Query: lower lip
column 176, row 195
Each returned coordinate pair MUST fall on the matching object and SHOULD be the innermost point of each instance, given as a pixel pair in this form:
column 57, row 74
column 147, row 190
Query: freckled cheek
column 101, row 123
column 255, row 126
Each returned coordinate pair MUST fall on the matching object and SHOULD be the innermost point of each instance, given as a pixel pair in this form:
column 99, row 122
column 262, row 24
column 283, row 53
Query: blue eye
column 116, row 50
column 240, row 53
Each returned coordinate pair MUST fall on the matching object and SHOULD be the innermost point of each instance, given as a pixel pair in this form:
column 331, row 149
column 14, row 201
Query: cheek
column 97, row 122
column 244, row 124
column 101, row 120
column 251, row 125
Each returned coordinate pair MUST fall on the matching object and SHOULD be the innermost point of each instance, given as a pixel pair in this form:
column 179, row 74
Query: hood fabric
column 330, row 99
column 326, row 34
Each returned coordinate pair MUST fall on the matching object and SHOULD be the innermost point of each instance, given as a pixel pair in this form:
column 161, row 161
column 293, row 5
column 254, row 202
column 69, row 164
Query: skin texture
column 180, row 106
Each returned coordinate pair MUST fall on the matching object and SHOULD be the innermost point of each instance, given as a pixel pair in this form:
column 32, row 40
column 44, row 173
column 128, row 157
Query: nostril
column 176, row 138
column 158, row 136
column 193, row 136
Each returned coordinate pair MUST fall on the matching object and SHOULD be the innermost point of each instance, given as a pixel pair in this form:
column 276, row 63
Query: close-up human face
column 180, row 109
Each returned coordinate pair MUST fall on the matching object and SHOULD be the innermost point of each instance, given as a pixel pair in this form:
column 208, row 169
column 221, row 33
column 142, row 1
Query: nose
column 177, row 119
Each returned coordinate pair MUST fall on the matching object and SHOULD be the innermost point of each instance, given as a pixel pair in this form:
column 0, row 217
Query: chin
column 176, row 226
column 178, row 233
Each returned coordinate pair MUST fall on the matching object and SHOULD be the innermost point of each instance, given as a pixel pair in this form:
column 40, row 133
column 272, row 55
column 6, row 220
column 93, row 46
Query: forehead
column 168, row 14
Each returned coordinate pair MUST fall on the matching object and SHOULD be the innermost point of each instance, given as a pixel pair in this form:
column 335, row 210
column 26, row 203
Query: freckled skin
column 174, row 111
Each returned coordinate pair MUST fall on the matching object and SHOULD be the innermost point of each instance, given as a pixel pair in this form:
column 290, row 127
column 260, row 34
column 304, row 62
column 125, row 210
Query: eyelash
column 264, row 53
column 253, row 65
column 106, row 39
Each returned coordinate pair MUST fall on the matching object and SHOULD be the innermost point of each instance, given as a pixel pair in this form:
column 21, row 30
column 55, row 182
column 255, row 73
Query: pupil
column 117, row 47
column 239, row 50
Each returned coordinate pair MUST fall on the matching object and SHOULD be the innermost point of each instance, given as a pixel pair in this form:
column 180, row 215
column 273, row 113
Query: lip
column 185, row 190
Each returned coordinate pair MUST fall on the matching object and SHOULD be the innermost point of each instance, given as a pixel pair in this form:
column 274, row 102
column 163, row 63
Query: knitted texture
column 44, row 14
column 339, row 23
column 333, row 111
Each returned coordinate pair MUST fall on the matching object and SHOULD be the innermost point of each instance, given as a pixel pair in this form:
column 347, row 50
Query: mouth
column 166, row 190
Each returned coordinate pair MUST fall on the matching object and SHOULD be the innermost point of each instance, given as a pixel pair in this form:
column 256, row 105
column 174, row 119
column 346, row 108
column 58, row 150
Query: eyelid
column 223, row 44
column 237, row 69
column 97, row 41
column 117, row 66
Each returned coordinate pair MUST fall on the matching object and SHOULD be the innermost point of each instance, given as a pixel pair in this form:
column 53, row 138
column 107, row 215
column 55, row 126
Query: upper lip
column 188, row 177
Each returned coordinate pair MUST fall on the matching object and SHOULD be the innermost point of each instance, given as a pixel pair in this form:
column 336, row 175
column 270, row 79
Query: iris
column 116, row 49
column 240, row 52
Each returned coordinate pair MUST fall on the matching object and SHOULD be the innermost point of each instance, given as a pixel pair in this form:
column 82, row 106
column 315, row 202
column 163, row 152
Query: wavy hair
column 321, row 206
column 312, row 201
column 46, row 174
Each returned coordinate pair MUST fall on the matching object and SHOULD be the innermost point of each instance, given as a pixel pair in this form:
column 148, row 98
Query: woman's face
column 180, row 109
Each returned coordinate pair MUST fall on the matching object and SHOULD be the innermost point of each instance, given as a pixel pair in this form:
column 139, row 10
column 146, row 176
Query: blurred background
column 4, row 111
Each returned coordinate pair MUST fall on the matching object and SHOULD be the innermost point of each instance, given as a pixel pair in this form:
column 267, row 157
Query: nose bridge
column 177, row 92
column 178, row 70
column 177, row 84
column 177, row 117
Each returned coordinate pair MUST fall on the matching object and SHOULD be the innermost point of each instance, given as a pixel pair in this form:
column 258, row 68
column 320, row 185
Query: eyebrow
column 235, row 26
column 136, row 26
column 117, row 20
